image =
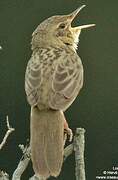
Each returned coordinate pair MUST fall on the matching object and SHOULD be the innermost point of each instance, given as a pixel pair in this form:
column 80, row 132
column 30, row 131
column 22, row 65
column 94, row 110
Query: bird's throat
column 70, row 42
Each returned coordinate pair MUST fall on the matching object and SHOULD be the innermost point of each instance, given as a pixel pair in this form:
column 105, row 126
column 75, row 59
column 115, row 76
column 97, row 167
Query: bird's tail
column 47, row 129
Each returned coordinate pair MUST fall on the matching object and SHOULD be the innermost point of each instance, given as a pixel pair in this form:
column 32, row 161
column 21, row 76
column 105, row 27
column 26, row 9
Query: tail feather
column 47, row 142
column 54, row 153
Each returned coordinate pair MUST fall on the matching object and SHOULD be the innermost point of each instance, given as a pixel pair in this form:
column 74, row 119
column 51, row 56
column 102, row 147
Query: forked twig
column 9, row 131
column 22, row 164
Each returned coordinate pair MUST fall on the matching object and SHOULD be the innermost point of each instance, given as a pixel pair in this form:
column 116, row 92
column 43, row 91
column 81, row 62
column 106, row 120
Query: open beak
column 74, row 14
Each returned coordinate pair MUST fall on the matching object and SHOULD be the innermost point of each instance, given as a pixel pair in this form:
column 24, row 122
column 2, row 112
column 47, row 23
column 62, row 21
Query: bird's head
column 58, row 31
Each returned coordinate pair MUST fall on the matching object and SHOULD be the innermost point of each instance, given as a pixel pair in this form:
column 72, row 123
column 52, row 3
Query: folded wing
column 66, row 82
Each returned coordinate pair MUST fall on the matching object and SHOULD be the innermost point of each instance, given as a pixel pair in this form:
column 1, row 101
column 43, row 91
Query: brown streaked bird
column 53, row 79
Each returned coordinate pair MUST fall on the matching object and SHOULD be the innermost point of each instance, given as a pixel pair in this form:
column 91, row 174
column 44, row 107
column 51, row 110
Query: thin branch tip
column 9, row 131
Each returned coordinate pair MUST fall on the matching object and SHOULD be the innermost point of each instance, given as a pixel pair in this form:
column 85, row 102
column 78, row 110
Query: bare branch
column 23, row 163
column 79, row 142
column 4, row 175
column 68, row 151
column 9, row 131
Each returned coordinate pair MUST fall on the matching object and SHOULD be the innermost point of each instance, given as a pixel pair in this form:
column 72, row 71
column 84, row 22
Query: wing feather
column 66, row 82
column 33, row 80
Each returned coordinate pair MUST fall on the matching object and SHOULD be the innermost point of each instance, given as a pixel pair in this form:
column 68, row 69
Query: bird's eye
column 62, row 26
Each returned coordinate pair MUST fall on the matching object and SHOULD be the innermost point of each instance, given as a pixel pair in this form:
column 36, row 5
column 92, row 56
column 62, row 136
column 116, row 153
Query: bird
column 53, row 80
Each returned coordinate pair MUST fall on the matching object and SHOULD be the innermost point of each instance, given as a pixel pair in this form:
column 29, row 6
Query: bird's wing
column 67, row 81
column 33, row 79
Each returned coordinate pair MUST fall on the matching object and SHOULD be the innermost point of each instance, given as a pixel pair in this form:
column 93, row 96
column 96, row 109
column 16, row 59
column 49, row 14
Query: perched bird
column 53, row 79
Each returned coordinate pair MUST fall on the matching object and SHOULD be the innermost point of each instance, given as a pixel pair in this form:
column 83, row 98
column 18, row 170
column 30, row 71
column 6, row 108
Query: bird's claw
column 69, row 133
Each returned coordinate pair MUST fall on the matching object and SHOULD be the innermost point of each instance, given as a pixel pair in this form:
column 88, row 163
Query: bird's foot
column 69, row 133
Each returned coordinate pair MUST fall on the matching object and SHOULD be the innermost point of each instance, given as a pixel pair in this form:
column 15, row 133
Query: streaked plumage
column 53, row 79
column 57, row 77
